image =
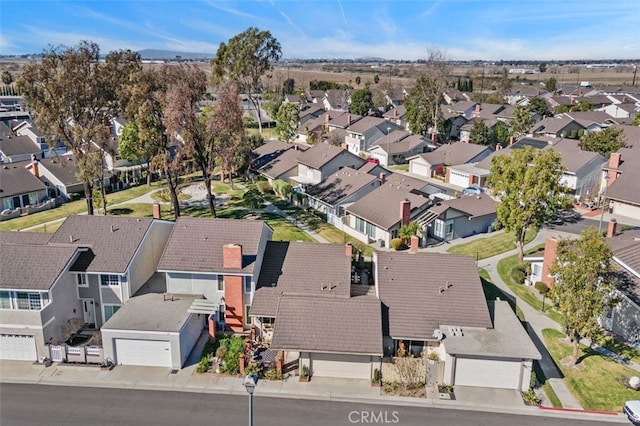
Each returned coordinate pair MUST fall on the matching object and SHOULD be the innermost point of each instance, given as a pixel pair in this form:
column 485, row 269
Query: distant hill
column 171, row 56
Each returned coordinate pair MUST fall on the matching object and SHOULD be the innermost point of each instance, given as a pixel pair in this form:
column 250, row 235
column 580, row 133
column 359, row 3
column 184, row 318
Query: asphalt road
column 61, row 405
column 577, row 226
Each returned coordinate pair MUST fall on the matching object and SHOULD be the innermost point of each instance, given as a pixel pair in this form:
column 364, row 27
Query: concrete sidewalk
column 327, row 389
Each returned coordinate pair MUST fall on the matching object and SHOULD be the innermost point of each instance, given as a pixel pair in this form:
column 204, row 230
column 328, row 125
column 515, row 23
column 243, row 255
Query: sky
column 306, row 29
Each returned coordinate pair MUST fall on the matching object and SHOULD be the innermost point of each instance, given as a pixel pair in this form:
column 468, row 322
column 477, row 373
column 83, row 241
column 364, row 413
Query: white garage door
column 458, row 179
column 419, row 169
column 345, row 366
column 18, row 347
column 488, row 373
column 154, row 353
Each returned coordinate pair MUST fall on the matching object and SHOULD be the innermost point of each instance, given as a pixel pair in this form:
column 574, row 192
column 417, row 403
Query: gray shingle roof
column 573, row 157
column 18, row 145
column 325, row 324
column 32, row 238
column 340, row 185
column 32, row 267
column 472, row 206
column 382, row 205
column 15, row 179
column 195, row 244
column 281, row 164
column 295, row 268
column 368, row 123
column 63, row 168
column 625, row 187
column 113, row 240
column 319, row 155
column 454, row 154
column 409, row 286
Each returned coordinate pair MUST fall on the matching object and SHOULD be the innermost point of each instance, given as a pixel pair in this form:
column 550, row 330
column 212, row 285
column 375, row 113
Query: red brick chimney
column 512, row 140
column 156, row 211
column 348, row 250
column 611, row 230
column 232, row 256
column 434, row 137
column 413, row 247
column 383, row 178
column 34, row 166
column 343, row 145
column 405, row 212
column 476, row 113
column 614, row 163
column 550, row 252
column 327, row 118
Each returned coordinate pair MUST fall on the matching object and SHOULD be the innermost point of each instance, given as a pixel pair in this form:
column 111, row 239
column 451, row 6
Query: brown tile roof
column 15, row 179
column 413, row 288
column 382, row 205
column 320, row 154
column 589, row 117
column 294, row 269
column 396, row 112
column 472, row 206
column 63, row 168
column 454, row 154
column 342, row 119
column 625, row 187
column 32, row 267
column 340, row 185
column 18, row 145
column 282, row 164
column 325, row 324
column 112, row 240
column 574, row 158
column 195, row 244
column 368, row 123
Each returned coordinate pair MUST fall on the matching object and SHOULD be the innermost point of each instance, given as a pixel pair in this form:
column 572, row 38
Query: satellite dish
column 437, row 334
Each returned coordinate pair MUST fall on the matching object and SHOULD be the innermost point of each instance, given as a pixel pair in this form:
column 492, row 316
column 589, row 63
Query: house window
column 359, row 224
column 221, row 309
column 220, row 283
column 370, row 230
column 82, row 280
column 5, row 300
column 247, row 319
column 109, row 311
column 247, row 284
column 536, row 271
column 109, row 280
column 29, row 301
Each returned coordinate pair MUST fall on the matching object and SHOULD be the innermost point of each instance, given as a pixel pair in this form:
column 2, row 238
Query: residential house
column 38, row 294
column 401, row 146
column 60, row 175
column 336, row 100
column 378, row 216
column 437, row 162
column 14, row 149
column 19, row 188
column 267, row 152
column 592, row 121
column 618, row 111
column 282, row 166
column 460, row 217
column 622, row 174
column 397, row 116
column 395, row 97
column 122, row 254
column 333, row 195
column 369, row 131
column 434, row 303
column 555, row 127
column 292, row 312
column 321, row 161
column 451, row 96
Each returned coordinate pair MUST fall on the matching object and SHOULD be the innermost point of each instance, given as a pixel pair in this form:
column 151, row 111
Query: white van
column 632, row 410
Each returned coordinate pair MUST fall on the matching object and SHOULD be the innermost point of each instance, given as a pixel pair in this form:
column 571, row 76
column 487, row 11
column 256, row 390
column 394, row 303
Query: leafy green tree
column 272, row 99
column 551, row 84
column 129, row 145
column 73, row 94
column 358, row 80
column 583, row 106
column 422, row 105
column 7, row 78
column 500, row 134
column 528, row 185
column 604, row 142
column 584, row 282
column 288, row 117
column 361, row 102
column 480, row 133
column 504, row 83
column 636, row 120
column 409, row 230
column 521, row 122
column 560, row 109
column 245, row 59
column 539, row 106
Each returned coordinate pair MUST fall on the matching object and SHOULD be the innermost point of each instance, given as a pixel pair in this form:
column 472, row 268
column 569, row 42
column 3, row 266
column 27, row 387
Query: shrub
column 273, row 375
column 305, row 372
column 433, row 357
column 253, row 369
column 376, row 376
column 530, row 397
column 203, row 365
column 519, row 273
column 541, row 287
column 221, row 352
column 234, row 345
column 264, row 187
column 397, row 243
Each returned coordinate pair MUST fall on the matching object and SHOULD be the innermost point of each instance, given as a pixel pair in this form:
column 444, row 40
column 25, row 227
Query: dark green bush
column 519, row 273
column 541, row 287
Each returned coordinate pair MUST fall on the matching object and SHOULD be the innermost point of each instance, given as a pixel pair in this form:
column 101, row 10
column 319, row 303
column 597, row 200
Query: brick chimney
column 343, row 145
column 413, row 247
column 512, row 140
column 476, row 113
column 156, row 211
column 614, row 163
column 405, row 212
column 612, row 228
column 383, row 178
column 550, row 252
column 232, row 256
column 348, row 250
column 395, row 113
column 349, row 120
column 434, row 137
column 34, row 166
column 327, row 118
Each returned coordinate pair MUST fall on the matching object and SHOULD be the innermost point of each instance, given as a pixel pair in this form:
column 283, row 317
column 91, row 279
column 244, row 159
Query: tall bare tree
column 72, row 94
column 245, row 59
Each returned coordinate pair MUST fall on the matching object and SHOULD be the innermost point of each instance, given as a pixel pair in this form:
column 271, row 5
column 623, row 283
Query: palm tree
column 409, row 230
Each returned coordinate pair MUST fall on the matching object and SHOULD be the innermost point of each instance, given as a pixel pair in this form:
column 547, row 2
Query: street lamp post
column 388, row 146
column 250, row 385
column 604, row 201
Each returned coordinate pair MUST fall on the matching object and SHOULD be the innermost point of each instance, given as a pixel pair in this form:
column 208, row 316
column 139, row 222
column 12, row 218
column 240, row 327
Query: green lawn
column 595, row 382
column 483, row 248
column 400, row 167
column 525, row 293
column 620, row 348
column 492, row 292
column 283, row 230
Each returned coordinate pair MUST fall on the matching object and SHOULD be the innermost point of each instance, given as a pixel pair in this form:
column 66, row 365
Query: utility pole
column 635, row 70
